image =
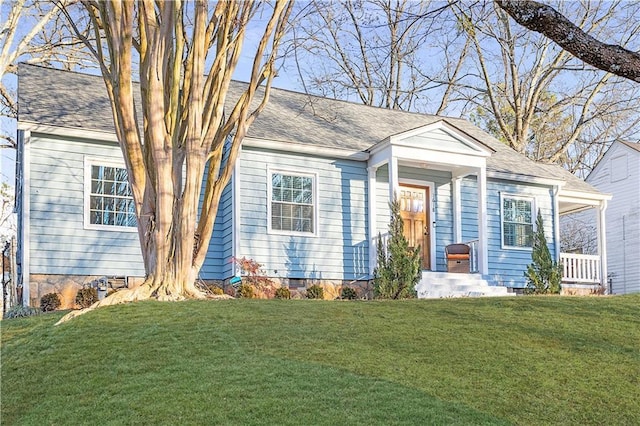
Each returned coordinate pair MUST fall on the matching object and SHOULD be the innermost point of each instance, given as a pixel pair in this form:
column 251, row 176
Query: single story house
column 309, row 196
column 617, row 173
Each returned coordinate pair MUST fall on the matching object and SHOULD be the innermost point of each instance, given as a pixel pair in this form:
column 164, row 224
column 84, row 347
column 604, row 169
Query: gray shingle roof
column 75, row 100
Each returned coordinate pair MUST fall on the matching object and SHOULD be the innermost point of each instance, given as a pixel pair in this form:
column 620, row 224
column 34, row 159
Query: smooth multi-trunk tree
column 190, row 127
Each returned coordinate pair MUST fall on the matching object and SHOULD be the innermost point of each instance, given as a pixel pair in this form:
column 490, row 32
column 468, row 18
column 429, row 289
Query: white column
column 393, row 177
column 602, row 242
column 556, row 222
column 483, row 234
column 457, row 209
column 373, row 235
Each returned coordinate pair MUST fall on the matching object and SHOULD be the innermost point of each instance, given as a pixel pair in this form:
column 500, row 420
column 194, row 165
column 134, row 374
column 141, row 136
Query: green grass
column 526, row 360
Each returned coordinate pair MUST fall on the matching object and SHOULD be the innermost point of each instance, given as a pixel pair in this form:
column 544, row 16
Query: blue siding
column 218, row 263
column 59, row 244
column 507, row 266
column 339, row 251
column 441, row 207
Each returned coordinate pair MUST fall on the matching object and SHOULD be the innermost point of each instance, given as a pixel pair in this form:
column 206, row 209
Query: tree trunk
column 184, row 121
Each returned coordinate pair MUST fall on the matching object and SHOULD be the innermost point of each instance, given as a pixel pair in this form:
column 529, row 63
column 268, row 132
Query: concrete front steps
column 434, row 285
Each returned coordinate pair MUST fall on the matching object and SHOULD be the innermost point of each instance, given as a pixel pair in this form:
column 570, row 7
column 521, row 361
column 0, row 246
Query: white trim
column 305, row 149
column 430, row 156
column 524, row 178
column 393, row 177
column 556, row 221
column 235, row 213
column 290, row 171
column 372, row 193
column 26, row 216
column 588, row 198
column 534, row 213
column 72, row 132
column 397, row 139
column 430, row 206
column 456, row 209
column 96, row 161
column 483, row 222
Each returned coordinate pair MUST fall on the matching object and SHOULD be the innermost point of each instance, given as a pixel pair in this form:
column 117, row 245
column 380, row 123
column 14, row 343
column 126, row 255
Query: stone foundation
column 68, row 285
column 581, row 290
column 65, row 285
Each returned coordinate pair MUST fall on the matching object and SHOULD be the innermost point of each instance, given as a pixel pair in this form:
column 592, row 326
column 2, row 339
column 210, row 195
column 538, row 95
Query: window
column 517, row 222
column 109, row 199
column 292, row 203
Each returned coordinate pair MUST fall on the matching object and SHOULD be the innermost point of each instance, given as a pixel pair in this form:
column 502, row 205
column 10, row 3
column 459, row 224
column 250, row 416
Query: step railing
column 580, row 268
column 473, row 255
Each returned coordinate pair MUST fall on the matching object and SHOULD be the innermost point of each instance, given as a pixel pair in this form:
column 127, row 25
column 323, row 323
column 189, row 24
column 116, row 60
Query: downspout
column 373, row 250
column 24, row 170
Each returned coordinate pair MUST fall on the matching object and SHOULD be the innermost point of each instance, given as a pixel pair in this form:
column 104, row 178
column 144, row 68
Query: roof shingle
column 74, row 100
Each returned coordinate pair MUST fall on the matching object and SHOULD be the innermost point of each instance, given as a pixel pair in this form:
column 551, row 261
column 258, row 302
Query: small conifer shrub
column 244, row 291
column 283, row 293
column 399, row 266
column 50, row 302
column 348, row 293
column 544, row 275
column 86, row 297
column 315, row 292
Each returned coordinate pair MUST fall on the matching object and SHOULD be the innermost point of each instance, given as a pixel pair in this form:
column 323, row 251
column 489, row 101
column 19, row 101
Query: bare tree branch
column 546, row 20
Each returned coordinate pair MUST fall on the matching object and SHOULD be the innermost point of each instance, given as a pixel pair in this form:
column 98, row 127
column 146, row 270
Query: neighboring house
column 309, row 195
column 618, row 173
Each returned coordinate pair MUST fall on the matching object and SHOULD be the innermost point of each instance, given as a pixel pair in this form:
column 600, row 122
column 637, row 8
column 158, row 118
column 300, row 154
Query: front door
column 414, row 210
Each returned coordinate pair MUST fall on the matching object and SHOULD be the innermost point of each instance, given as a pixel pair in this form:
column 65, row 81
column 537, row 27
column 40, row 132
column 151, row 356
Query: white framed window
column 517, row 221
column 108, row 201
column 292, row 202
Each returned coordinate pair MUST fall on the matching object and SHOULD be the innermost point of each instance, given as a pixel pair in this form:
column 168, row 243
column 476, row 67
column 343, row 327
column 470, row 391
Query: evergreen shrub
column 50, row 302
column 544, row 275
column 315, row 292
column 399, row 266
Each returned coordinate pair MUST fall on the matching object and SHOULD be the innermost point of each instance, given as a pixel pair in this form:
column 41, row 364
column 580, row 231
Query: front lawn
column 524, row 360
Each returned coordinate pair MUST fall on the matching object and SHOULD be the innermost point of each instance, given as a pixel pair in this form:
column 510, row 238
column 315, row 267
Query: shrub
column 50, row 302
column 86, row 297
column 20, row 311
column 254, row 276
column 214, row 289
column 399, row 267
column 283, row 293
column 544, row 275
column 315, row 292
column 348, row 293
column 245, row 291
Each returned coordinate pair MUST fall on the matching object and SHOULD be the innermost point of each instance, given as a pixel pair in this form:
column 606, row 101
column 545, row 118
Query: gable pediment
column 441, row 136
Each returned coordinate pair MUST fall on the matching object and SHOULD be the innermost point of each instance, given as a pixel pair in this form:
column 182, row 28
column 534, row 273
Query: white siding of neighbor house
column 59, row 243
column 339, row 250
column 618, row 173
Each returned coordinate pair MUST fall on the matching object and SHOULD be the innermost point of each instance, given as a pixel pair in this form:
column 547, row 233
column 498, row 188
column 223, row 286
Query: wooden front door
column 414, row 210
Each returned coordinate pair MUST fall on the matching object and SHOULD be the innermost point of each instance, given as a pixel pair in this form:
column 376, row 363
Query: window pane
column 291, row 203
column 111, row 202
column 97, row 187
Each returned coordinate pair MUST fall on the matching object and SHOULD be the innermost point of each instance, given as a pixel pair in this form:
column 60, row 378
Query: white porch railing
column 473, row 256
column 580, row 268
